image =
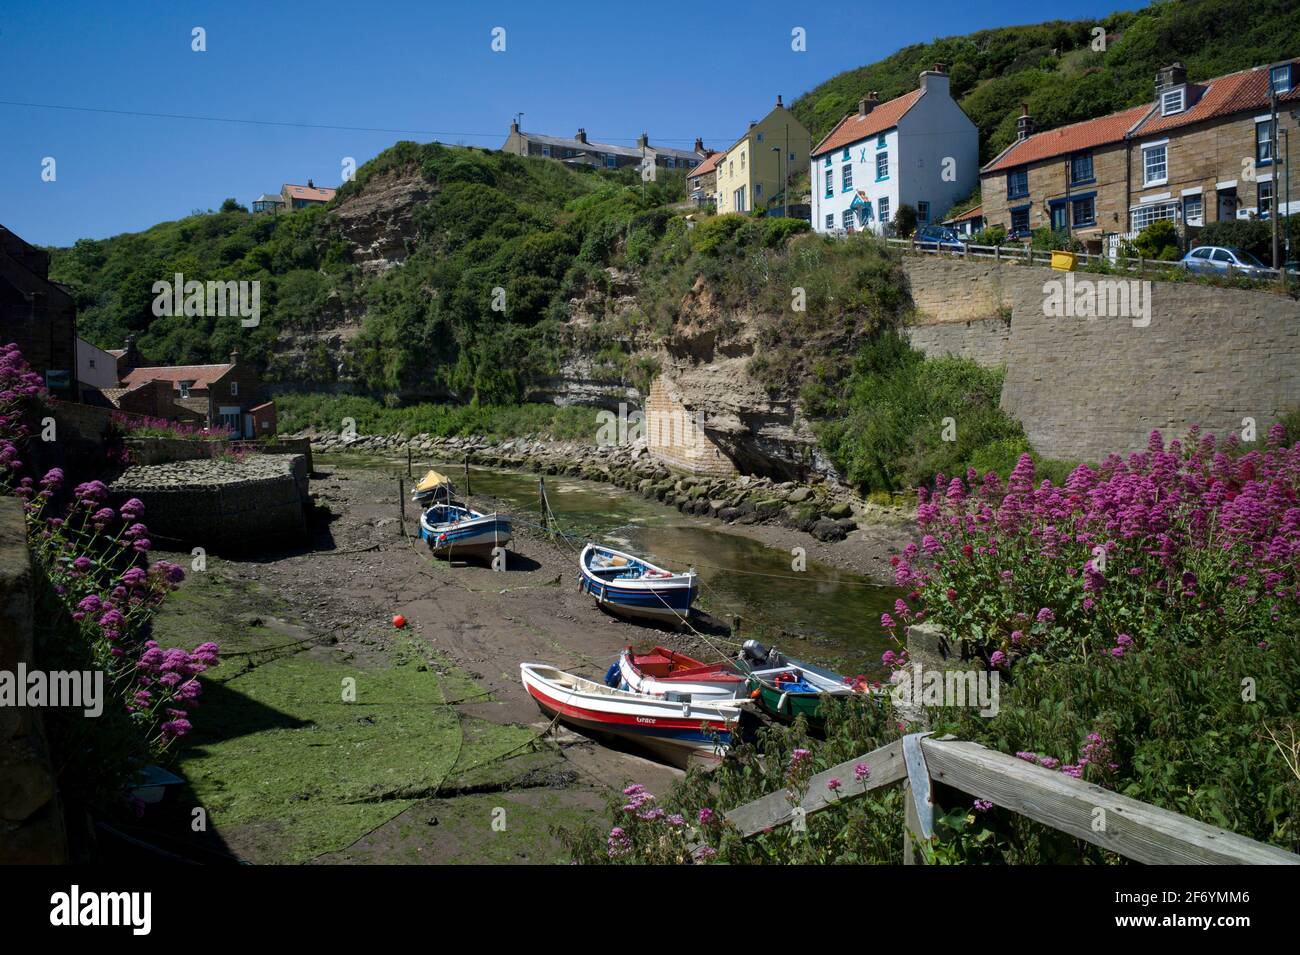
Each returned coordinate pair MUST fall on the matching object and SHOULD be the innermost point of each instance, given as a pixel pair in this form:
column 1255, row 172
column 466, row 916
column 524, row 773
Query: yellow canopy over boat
column 432, row 480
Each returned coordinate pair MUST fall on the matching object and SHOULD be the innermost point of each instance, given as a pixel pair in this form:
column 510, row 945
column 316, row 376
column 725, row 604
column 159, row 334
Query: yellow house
column 771, row 152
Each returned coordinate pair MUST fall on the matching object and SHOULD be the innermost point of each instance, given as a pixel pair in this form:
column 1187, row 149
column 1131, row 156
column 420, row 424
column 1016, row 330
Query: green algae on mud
column 286, row 768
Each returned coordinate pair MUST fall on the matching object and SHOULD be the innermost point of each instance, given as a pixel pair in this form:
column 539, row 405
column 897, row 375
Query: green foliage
column 1159, row 240
column 905, row 221
column 1253, row 235
column 1053, row 68
column 373, row 416
column 885, row 426
column 992, row 235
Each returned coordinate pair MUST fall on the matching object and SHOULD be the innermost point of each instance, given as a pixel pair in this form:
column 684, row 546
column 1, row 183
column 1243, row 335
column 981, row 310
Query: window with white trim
column 1142, row 216
column 846, row 220
column 234, row 388
column 1155, row 164
column 923, row 212
column 830, row 183
column 882, row 165
column 882, row 207
column 830, row 221
column 1264, row 141
column 1173, row 101
column 1193, row 210
column 1265, row 203
column 1280, row 78
column 846, row 177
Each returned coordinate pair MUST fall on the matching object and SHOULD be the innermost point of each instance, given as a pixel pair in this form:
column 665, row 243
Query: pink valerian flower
column 707, row 816
column 861, row 771
column 834, row 784
column 983, row 805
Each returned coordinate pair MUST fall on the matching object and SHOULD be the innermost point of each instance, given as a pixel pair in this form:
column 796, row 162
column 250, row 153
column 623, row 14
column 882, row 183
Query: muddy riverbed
column 439, row 755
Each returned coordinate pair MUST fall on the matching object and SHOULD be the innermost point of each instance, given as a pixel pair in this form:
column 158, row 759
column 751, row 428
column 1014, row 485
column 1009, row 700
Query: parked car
column 939, row 237
column 1222, row 259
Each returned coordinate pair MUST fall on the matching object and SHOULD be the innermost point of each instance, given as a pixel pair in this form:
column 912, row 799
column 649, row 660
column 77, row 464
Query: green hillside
column 494, row 220
column 1052, row 67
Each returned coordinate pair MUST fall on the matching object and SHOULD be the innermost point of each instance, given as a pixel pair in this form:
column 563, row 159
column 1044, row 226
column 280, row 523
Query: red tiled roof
column 1221, row 96
column 312, row 193
column 202, row 375
column 854, row 127
column 969, row 214
column 1069, row 139
column 707, row 166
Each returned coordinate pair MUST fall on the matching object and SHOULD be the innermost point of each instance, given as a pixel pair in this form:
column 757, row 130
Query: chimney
column 514, row 126
column 234, row 356
column 753, row 123
column 1168, row 77
column 699, row 146
column 1024, row 123
column 778, row 101
column 310, row 184
column 643, row 141
column 935, row 80
column 868, row 103
column 581, row 135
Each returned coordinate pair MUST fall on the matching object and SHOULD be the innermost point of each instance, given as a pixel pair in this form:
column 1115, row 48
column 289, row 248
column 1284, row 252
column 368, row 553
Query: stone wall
column 984, row 342
column 1083, row 387
column 31, row 823
column 675, row 436
column 220, row 505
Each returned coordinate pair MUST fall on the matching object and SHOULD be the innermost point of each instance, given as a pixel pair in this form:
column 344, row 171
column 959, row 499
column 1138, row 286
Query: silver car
column 1225, row 260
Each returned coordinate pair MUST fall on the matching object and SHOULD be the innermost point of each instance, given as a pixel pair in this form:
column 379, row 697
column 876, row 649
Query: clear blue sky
column 675, row 70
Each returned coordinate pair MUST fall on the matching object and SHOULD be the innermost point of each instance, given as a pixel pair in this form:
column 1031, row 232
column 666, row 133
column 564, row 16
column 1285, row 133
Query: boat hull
column 661, row 599
column 473, row 538
column 681, row 732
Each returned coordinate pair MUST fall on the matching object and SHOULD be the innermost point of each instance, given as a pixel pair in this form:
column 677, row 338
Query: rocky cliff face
column 609, row 355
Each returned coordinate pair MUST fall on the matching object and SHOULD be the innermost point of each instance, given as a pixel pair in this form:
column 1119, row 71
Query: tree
column 232, row 205
column 905, row 220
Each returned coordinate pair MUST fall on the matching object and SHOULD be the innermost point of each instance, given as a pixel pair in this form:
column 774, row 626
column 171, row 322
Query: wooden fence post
column 401, row 507
column 467, row 490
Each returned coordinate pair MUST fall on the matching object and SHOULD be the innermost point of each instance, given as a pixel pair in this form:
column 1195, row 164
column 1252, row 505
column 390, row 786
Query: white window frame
column 1199, row 218
column 1147, row 181
column 1173, row 101
column 234, row 389
column 882, row 211
column 1141, row 216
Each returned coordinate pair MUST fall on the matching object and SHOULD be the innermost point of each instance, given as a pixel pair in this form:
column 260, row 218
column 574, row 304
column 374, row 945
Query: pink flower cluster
column 1197, row 539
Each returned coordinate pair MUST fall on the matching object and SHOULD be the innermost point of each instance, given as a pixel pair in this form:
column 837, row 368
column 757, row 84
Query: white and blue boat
column 626, row 584
column 454, row 530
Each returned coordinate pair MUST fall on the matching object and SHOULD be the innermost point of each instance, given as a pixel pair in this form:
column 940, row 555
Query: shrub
column 990, row 235
column 905, row 221
column 1159, row 240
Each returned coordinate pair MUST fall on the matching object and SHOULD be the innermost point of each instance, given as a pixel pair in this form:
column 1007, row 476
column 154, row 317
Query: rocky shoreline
column 827, row 511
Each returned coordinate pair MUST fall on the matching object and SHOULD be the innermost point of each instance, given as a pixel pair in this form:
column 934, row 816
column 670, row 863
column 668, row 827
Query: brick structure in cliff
column 676, row 436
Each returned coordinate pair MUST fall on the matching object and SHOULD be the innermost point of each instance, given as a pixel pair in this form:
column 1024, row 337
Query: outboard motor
column 754, row 651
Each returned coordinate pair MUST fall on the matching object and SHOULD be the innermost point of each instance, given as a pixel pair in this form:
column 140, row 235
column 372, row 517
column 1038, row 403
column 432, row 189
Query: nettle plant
column 95, row 559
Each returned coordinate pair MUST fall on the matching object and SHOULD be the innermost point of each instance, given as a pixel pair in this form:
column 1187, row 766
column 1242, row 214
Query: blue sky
column 675, row 70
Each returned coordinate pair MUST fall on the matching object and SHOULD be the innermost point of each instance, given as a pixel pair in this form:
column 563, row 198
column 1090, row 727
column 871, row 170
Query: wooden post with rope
column 467, row 491
column 408, row 458
column 401, row 506
column 541, row 504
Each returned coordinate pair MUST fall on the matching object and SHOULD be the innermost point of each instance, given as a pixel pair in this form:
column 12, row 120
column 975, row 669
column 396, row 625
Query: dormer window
column 1279, row 79
column 1173, row 101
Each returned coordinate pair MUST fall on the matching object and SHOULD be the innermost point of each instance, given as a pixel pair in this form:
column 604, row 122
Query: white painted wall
column 95, row 367
column 862, row 157
column 933, row 130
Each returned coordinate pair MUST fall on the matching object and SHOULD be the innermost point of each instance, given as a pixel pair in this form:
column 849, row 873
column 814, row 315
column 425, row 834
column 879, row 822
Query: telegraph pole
column 1273, row 155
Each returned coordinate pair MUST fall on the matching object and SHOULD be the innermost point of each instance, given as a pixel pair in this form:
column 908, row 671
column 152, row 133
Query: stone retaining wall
column 221, row 505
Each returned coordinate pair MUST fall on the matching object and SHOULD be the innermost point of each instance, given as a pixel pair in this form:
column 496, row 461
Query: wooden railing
column 1024, row 255
column 1133, row 829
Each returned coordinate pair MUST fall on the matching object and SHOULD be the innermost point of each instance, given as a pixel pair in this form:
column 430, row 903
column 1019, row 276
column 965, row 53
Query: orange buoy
column 399, row 621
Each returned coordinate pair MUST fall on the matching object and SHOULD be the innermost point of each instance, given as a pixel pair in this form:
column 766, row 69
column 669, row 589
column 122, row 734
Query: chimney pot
column 699, row 145
column 778, row 101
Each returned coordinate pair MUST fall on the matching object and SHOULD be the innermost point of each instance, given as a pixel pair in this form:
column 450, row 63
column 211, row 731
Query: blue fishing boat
column 626, row 584
column 455, row 530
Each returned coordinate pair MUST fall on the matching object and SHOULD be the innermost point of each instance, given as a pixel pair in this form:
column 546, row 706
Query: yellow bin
column 1063, row 261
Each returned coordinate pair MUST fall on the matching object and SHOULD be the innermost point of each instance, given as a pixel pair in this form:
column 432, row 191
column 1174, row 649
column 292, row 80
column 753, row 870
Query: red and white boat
column 663, row 671
column 679, row 729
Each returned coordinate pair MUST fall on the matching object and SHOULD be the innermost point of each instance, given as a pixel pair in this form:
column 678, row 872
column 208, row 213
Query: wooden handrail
column 1133, row 829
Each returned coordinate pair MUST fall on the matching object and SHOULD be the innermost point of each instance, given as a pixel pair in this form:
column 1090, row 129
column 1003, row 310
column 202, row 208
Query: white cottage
column 919, row 149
